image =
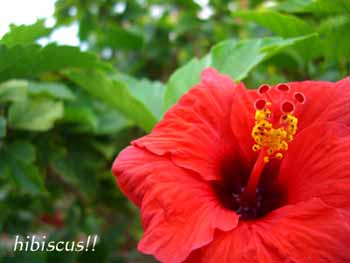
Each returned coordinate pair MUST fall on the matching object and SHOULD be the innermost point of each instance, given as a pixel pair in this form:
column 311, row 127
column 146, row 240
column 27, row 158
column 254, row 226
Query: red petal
column 132, row 167
column 325, row 101
column 307, row 232
column 242, row 121
column 317, row 164
column 179, row 210
column 196, row 131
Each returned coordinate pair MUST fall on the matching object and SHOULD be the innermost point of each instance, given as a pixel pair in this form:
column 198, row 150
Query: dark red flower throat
column 254, row 191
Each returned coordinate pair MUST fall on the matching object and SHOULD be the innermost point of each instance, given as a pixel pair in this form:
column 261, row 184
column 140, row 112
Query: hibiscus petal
column 177, row 206
column 196, row 131
column 317, row 164
column 306, row 232
column 325, row 101
column 242, row 121
column 132, row 167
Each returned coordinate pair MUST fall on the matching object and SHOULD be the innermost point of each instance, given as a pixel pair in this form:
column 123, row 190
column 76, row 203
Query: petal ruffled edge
column 177, row 206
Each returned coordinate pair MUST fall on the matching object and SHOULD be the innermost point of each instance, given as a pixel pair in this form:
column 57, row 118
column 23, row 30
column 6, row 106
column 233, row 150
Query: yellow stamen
column 279, row 156
column 274, row 140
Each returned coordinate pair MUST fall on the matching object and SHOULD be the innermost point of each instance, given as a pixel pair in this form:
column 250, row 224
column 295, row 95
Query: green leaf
column 2, row 127
column 183, row 79
column 286, row 26
column 227, row 54
column 28, row 178
column 281, row 24
column 35, row 115
column 80, row 114
column 120, row 38
column 116, row 94
column 22, row 151
column 324, row 7
column 335, row 34
column 93, row 116
column 25, row 34
column 109, row 120
column 50, row 89
column 330, row 7
column 31, row 60
column 238, row 58
column 231, row 57
column 19, row 157
column 149, row 92
column 291, row 6
column 86, row 25
column 13, row 90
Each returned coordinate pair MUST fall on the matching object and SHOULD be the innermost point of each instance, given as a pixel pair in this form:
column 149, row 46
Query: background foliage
column 66, row 113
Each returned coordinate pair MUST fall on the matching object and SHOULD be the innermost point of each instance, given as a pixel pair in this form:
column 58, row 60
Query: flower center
column 275, row 127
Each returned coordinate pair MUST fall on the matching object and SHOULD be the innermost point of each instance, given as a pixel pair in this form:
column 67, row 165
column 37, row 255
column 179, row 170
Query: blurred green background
column 66, row 112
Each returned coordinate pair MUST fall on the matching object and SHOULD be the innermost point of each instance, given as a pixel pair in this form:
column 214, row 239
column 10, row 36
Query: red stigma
column 260, row 104
column 283, row 87
column 287, row 107
column 264, row 88
column 299, row 97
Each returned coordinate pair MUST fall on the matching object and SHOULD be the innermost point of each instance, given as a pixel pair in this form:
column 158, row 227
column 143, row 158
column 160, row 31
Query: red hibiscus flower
column 237, row 175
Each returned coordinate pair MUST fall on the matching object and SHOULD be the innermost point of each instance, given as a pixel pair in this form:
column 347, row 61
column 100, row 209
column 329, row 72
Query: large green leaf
column 291, row 6
column 150, row 93
column 231, row 57
column 286, row 26
column 81, row 115
column 50, row 89
column 115, row 93
column 336, row 37
column 25, row 34
column 281, row 24
column 330, row 7
column 109, row 120
column 325, row 7
column 31, row 60
column 35, row 115
column 238, row 58
column 183, row 79
column 13, row 90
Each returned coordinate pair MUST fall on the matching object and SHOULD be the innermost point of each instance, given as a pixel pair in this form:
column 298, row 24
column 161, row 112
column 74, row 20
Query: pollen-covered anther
column 256, row 147
column 279, row 156
column 270, row 136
